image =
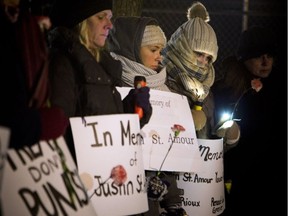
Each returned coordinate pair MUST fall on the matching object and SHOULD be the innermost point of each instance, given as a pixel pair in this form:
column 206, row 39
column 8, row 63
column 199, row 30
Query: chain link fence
column 225, row 17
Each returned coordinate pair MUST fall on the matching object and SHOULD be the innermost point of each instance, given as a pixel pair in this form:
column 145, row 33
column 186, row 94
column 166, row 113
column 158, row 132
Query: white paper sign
column 169, row 109
column 4, row 143
column 106, row 145
column 41, row 180
column 204, row 190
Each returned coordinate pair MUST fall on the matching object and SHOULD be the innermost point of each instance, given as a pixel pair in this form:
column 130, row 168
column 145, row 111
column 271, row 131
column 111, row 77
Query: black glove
column 142, row 97
column 156, row 188
column 139, row 97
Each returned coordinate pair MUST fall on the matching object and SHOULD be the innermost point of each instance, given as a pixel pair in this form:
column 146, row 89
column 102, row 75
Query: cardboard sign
column 110, row 162
column 163, row 149
column 204, row 190
column 43, row 180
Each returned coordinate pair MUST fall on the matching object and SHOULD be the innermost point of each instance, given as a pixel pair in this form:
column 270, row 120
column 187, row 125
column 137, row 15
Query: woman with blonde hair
column 83, row 75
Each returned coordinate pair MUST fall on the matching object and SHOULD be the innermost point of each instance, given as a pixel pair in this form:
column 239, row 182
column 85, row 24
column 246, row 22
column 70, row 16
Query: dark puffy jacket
column 81, row 85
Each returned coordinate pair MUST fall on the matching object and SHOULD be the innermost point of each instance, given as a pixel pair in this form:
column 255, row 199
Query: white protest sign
column 110, row 162
column 43, row 180
column 204, row 190
column 4, row 143
column 169, row 111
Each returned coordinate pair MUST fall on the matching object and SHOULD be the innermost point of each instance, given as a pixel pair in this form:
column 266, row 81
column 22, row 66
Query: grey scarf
column 155, row 80
column 182, row 67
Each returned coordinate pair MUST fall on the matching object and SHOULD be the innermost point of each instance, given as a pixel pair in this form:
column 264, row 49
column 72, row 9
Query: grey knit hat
column 153, row 34
column 127, row 34
column 69, row 13
column 201, row 37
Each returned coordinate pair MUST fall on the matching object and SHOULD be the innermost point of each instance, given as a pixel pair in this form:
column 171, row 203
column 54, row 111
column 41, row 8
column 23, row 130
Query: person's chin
column 154, row 68
column 265, row 74
column 101, row 44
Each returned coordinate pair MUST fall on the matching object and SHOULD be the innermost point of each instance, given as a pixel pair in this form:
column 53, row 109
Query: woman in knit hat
column 254, row 59
column 83, row 76
column 128, row 41
column 137, row 43
column 250, row 89
column 246, row 72
column 189, row 57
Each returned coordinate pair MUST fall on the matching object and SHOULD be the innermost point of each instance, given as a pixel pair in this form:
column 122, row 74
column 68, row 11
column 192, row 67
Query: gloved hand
column 139, row 97
column 156, row 188
column 230, row 132
column 199, row 119
column 53, row 121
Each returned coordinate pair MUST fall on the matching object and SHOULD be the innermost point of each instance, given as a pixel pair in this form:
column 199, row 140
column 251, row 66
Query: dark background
column 226, row 18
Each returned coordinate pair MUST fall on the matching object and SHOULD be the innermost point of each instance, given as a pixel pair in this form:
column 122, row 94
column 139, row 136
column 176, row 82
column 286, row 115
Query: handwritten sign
column 204, row 190
column 43, row 180
column 169, row 109
column 110, row 162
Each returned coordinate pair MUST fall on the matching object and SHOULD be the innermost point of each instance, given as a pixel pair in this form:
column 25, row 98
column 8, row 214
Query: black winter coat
column 252, row 164
column 81, row 85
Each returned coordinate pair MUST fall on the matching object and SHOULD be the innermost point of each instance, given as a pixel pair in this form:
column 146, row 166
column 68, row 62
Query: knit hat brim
column 153, row 35
column 126, row 36
column 69, row 13
column 201, row 37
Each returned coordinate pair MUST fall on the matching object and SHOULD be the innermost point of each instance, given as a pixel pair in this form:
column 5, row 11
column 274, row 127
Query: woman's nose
column 109, row 24
column 159, row 57
column 202, row 60
column 265, row 59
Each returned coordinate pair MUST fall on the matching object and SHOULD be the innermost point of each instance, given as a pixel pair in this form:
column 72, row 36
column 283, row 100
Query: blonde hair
column 84, row 39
